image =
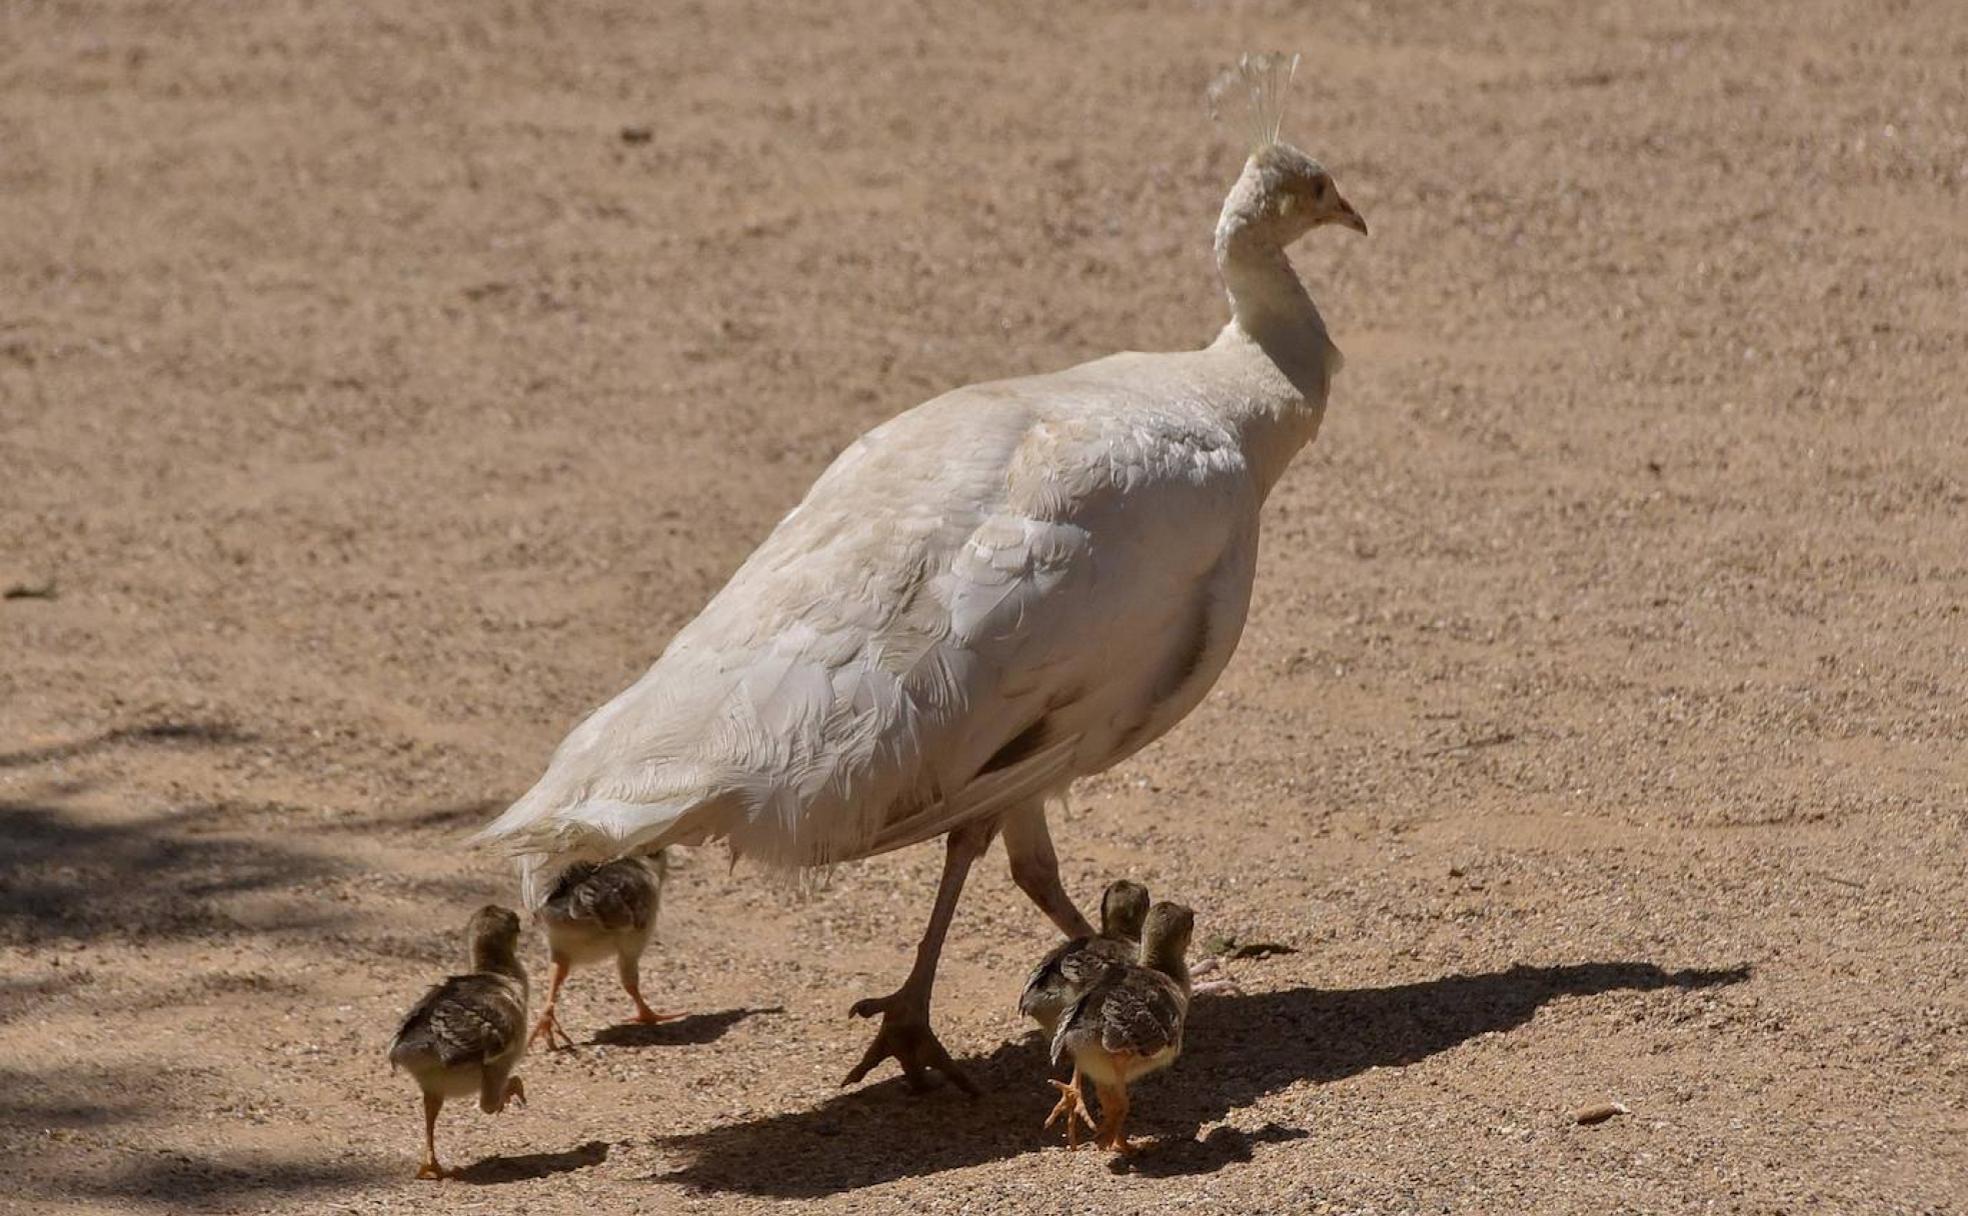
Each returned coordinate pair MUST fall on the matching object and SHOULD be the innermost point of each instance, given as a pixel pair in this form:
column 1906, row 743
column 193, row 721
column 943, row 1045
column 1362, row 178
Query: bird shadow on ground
column 691, row 1030
column 496, row 1171
column 1180, row 1157
column 1239, row 1048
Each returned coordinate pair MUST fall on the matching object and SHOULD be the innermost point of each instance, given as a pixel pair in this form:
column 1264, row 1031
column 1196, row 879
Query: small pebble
column 1598, row 1112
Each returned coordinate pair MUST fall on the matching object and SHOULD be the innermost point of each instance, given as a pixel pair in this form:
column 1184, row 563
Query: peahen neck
column 1274, row 318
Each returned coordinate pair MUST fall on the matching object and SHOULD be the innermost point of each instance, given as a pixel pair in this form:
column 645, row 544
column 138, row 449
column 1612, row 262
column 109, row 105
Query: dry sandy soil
column 381, row 385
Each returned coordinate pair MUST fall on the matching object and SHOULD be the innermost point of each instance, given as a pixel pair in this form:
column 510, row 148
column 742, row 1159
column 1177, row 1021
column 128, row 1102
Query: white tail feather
column 543, row 845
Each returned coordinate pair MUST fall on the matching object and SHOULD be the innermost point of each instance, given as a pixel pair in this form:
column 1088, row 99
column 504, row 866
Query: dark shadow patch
column 436, row 950
column 90, row 1097
column 1188, row 656
column 497, row 1171
column 692, row 1031
column 228, row 986
column 1240, row 1048
column 181, row 1182
column 469, row 890
column 154, row 877
column 1024, row 744
column 457, row 818
column 202, row 734
column 18, row 996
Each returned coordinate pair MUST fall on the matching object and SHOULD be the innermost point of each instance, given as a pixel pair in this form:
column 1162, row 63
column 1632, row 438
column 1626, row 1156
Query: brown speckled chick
column 1129, row 1023
column 469, row 1032
column 1070, row 967
column 593, row 912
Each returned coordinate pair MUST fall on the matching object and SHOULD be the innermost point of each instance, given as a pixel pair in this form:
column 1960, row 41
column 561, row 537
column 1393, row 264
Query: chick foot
column 1071, row 1107
column 549, row 1026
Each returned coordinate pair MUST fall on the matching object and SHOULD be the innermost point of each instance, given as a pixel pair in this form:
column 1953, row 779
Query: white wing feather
column 1006, row 588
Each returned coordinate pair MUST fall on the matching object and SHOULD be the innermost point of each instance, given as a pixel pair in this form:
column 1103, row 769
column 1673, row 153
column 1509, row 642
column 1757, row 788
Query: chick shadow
column 1238, row 1049
column 1181, row 1157
column 499, row 1171
column 693, row 1030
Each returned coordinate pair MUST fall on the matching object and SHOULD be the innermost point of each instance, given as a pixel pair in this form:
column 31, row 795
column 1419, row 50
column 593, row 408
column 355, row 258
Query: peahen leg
column 1035, row 868
column 905, row 1033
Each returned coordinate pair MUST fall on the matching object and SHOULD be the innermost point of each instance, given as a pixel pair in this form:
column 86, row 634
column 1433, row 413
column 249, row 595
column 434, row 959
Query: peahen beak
column 1350, row 218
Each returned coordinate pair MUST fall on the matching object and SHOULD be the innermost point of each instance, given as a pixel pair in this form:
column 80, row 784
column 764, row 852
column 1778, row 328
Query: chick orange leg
column 1071, row 1107
column 430, row 1168
column 548, row 1025
column 1113, row 1118
column 905, row 1033
column 630, row 972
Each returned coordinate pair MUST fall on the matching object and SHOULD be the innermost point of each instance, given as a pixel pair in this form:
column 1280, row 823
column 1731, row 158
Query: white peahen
column 1008, row 587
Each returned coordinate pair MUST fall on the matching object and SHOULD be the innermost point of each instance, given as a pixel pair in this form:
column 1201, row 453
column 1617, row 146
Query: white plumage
column 1010, row 586
column 1048, row 572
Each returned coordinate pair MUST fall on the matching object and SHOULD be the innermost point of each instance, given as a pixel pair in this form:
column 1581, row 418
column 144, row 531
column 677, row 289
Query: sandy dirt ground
column 381, row 386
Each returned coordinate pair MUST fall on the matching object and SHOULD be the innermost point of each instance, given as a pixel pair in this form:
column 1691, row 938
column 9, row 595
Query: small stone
column 1598, row 1112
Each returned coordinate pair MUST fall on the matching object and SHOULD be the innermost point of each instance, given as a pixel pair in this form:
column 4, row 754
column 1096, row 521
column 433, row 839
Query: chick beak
column 1350, row 218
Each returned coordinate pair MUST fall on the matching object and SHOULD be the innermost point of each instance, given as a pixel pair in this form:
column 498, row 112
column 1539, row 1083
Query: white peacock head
column 1282, row 189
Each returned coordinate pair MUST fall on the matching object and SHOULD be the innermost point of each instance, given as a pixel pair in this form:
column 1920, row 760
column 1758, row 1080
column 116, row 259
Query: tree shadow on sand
column 1242, row 1048
column 206, row 734
column 84, row 1096
column 180, row 1182
column 162, row 875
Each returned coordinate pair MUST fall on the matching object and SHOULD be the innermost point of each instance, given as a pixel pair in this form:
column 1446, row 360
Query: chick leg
column 430, row 1168
column 629, row 967
column 1035, row 868
column 1113, row 1118
column 549, row 1025
column 905, row 1032
column 515, row 1091
column 1071, row 1107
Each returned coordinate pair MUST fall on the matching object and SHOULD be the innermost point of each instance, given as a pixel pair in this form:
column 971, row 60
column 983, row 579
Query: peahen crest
column 1263, row 80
